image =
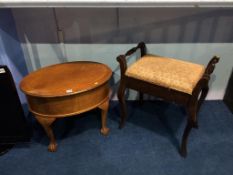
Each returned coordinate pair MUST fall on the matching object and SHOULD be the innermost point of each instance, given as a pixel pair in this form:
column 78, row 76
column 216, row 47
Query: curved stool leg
column 191, row 123
column 120, row 94
column 46, row 124
column 183, row 149
column 104, row 110
column 140, row 98
column 204, row 93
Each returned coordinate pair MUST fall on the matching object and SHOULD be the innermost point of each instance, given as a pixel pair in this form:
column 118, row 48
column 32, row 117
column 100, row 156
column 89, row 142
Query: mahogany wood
column 192, row 102
column 67, row 89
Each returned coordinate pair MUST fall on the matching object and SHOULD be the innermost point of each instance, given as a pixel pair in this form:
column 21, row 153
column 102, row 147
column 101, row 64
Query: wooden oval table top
column 65, row 79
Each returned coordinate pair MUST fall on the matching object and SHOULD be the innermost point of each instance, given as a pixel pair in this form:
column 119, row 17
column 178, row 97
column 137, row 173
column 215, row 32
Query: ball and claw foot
column 104, row 131
column 52, row 147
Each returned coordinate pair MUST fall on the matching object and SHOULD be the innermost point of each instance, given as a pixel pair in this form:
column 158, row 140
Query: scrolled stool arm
column 122, row 58
column 123, row 65
column 203, row 82
column 211, row 65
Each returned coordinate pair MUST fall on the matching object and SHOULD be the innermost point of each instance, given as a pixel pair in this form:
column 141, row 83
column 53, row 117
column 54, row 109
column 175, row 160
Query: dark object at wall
column 228, row 97
column 13, row 125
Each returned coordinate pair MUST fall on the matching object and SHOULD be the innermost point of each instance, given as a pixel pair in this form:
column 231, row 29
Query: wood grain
column 67, row 89
column 55, row 80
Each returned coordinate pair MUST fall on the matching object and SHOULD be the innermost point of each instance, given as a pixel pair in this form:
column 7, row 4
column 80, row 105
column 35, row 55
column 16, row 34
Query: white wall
column 97, row 34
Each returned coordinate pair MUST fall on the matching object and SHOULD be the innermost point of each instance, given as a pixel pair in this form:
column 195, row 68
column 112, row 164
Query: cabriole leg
column 46, row 124
column 104, row 110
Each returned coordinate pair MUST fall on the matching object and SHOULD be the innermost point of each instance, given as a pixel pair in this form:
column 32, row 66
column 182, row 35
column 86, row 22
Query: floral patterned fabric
column 167, row 72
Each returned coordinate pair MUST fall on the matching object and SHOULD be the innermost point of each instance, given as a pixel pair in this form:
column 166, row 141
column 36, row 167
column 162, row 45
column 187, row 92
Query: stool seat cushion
column 167, row 72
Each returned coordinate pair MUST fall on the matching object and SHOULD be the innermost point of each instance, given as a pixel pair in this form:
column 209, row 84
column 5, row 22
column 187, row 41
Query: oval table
column 67, row 89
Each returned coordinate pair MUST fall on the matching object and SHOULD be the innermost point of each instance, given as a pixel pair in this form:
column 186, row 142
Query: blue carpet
column 147, row 145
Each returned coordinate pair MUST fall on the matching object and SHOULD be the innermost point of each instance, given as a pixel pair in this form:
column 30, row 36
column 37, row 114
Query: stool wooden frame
column 192, row 102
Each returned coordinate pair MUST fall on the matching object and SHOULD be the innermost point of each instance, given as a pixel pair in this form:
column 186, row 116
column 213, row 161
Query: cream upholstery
column 167, row 72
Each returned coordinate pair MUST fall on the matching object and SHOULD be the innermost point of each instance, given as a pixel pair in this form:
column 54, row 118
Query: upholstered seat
column 167, row 72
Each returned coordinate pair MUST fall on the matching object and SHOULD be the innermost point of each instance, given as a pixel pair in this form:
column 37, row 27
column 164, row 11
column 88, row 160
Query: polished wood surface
column 68, row 105
column 67, row 89
column 66, row 78
column 191, row 102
